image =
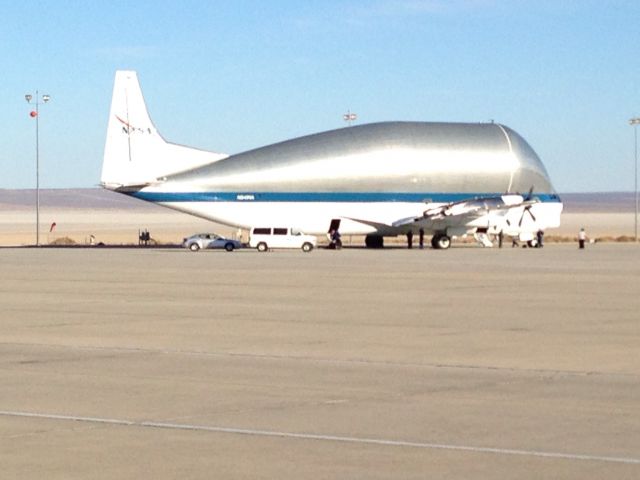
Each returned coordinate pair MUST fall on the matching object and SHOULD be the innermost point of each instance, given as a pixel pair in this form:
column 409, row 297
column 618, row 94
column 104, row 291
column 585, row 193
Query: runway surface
column 467, row 363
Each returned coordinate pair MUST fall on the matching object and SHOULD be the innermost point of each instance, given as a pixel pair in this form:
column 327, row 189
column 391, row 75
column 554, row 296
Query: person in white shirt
column 582, row 236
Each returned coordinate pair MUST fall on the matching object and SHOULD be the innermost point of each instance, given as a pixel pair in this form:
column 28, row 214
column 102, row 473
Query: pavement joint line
column 348, row 361
column 327, row 438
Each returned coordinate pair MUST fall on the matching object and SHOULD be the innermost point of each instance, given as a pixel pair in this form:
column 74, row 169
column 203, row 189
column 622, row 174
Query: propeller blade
column 528, row 197
column 533, row 217
column 526, row 209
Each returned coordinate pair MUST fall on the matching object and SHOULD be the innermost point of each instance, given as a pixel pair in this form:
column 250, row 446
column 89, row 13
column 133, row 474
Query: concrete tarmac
column 467, row 363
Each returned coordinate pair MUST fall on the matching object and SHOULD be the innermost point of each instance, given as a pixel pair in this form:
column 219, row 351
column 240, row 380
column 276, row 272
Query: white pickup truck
column 265, row 238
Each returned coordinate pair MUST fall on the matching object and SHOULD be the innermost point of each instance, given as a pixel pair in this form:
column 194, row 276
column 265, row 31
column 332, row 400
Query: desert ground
column 115, row 219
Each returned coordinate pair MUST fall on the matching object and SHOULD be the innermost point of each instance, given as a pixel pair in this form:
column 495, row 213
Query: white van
column 264, row 238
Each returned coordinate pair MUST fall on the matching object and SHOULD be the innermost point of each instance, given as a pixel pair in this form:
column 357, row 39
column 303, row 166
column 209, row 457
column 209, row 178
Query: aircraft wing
column 465, row 211
column 376, row 225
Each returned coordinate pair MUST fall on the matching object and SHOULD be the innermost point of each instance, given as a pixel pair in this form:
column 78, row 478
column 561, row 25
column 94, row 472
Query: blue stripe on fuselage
column 346, row 197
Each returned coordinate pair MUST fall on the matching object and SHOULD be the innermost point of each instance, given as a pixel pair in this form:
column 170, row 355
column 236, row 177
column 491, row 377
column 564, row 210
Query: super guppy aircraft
column 380, row 179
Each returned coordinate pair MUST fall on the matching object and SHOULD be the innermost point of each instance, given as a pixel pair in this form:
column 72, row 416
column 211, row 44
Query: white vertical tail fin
column 135, row 153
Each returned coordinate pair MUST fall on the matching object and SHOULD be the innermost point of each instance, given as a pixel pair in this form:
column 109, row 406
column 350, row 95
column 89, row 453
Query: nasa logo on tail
column 129, row 129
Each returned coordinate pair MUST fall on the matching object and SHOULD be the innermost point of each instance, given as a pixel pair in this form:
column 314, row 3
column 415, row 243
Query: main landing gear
column 374, row 241
column 440, row 241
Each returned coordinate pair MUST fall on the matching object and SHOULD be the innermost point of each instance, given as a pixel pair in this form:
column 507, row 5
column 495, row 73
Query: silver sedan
column 210, row 240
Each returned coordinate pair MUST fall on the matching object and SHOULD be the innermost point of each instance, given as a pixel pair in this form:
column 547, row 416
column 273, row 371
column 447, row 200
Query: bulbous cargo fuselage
column 382, row 158
column 367, row 176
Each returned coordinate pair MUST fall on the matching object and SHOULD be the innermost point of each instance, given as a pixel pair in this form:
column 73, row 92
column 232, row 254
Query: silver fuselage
column 368, row 176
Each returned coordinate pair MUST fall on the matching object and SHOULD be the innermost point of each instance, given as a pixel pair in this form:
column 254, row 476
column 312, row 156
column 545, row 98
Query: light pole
column 634, row 122
column 35, row 114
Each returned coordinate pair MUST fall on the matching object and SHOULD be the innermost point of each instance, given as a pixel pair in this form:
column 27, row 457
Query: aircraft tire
column 228, row 247
column 374, row 241
column 307, row 247
column 262, row 247
column 194, row 247
column 441, row 242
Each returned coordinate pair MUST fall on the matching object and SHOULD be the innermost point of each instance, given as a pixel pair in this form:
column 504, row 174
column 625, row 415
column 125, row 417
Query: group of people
column 539, row 242
column 335, row 242
column 582, row 238
column 420, row 238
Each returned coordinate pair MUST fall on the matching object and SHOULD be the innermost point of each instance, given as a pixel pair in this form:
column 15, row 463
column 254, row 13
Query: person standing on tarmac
column 582, row 237
column 410, row 239
column 336, row 242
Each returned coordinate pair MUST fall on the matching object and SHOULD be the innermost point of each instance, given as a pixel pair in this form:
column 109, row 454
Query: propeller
column 526, row 209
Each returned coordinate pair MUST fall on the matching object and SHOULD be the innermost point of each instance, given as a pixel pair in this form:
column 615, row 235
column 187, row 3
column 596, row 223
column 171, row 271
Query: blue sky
column 229, row 76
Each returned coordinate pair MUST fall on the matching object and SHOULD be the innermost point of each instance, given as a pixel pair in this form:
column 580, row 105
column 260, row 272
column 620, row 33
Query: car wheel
column 228, row 247
column 194, row 247
column 262, row 247
column 307, row 247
